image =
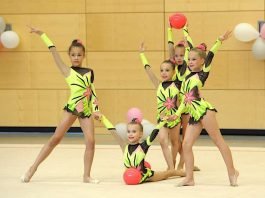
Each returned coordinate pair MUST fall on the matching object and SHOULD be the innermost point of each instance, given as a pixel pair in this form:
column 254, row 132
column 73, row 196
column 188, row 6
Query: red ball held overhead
column 177, row 20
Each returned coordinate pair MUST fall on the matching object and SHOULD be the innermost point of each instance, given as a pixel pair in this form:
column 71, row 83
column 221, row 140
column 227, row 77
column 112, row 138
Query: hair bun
column 202, row 47
column 77, row 41
column 136, row 120
column 181, row 43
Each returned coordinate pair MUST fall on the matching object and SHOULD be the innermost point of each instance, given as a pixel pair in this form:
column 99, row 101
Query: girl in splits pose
column 134, row 151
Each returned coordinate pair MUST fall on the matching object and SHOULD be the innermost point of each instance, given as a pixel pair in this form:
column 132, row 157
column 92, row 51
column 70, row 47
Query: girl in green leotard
column 202, row 113
column 134, row 151
column 81, row 105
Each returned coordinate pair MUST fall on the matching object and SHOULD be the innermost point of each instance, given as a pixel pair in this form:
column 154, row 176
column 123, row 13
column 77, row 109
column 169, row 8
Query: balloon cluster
column 245, row 32
column 134, row 113
column 9, row 38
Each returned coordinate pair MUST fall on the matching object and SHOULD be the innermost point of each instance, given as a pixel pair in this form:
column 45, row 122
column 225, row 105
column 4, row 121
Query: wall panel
column 33, row 92
column 212, row 5
column 115, row 6
column 125, row 32
column 42, row 6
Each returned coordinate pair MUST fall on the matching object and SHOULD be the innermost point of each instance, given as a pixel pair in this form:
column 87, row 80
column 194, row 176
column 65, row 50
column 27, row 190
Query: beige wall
column 33, row 92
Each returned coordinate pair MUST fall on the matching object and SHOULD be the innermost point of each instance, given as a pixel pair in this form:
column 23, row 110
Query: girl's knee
column 186, row 146
column 90, row 144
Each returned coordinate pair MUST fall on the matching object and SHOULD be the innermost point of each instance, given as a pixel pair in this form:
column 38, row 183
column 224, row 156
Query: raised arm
column 65, row 70
column 171, row 49
column 214, row 49
column 147, row 67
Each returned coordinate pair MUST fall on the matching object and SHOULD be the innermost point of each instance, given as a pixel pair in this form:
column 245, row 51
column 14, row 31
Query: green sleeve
column 187, row 36
column 170, row 35
column 144, row 60
column 210, row 55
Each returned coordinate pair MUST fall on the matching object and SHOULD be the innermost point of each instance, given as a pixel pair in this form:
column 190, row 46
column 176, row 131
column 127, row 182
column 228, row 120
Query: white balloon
column 245, row 32
column 258, row 49
column 121, row 130
column 145, row 121
column 9, row 39
column 148, row 128
column 2, row 25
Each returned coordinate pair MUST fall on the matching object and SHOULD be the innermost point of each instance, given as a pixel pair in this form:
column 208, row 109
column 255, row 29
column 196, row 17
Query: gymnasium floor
column 60, row 176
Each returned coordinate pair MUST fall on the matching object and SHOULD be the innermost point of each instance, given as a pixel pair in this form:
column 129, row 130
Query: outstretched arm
column 149, row 140
column 147, row 67
column 65, row 70
column 113, row 131
column 214, row 49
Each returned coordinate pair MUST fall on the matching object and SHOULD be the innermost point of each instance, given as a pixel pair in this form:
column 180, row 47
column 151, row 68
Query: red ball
column 132, row 176
column 147, row 165
column 177, row 20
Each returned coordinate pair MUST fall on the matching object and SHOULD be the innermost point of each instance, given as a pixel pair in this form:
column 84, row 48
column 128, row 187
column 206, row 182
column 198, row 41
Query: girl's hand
column 97, row 115
column 225, row 36
column 172, row 117
column 185, row 42
column 142, row 49
column 35, row 30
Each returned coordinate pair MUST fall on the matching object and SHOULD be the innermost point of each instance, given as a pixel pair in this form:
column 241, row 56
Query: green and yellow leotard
column 166, row 97
column 83, row 100
column 181, row 71
column 190, row 90
column 134, row 154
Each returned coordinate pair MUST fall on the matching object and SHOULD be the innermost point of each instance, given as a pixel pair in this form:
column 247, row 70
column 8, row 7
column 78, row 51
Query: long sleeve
column 210, row 55
column 154, row 133
column 144, row 60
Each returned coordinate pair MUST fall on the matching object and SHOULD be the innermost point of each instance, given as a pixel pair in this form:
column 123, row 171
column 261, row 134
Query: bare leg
column 184, row 123
column 162, row 175
column 163, row 140
column 61, row 129
column 175, row 142
column 210, row 124
column 192, row 133
column 87, row 126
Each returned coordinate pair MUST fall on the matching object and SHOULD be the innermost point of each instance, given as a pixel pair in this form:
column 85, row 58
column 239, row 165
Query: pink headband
column 181, row 43
column 201, row 47
column 79, row 41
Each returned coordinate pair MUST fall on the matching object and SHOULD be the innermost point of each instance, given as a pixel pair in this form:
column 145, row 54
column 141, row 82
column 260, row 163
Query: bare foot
column 186, row 182
column 196, row 168
column 90, row 180
column 233, row 179
column 27, row 176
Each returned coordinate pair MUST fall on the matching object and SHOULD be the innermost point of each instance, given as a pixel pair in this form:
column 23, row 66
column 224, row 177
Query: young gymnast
column 202, row 113
column 134, row 151
column 179, row 55
column 167, row 96
column 81, row 105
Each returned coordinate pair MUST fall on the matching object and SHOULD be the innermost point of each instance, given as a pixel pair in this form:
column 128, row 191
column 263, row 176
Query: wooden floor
column 60, row 175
